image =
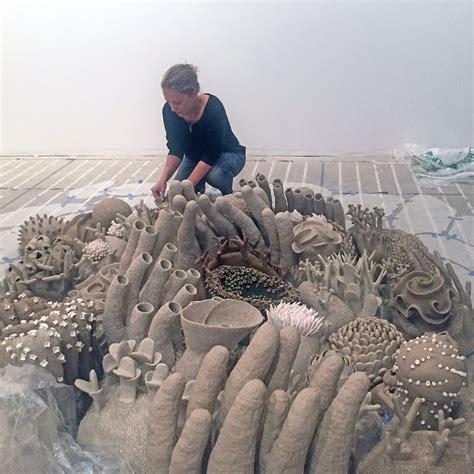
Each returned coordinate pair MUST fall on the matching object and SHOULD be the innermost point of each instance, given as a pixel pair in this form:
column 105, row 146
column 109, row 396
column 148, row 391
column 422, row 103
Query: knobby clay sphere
column 428, row 367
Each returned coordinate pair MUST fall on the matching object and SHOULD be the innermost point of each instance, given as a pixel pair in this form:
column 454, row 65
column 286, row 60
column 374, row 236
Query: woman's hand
column 159, row 188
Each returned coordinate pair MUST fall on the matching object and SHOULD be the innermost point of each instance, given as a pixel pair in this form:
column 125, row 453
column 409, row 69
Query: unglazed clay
column 197, row 386
column 430, row 368
column 316, row 236
column 209, row 323
column 250, row 285
column 370, row 343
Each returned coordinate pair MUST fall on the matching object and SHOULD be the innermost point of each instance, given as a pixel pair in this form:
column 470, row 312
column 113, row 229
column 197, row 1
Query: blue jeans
column 220, row 176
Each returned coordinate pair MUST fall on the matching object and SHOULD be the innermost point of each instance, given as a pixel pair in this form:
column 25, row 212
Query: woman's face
column 181, row 104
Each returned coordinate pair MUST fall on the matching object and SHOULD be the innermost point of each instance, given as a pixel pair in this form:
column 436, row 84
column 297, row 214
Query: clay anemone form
column 250, row 285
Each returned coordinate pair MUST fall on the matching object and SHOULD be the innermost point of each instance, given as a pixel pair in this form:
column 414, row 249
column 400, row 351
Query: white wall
column 298, row 77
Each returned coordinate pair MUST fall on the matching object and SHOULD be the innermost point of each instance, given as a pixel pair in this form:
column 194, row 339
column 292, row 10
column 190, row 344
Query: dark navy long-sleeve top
column 204, row 140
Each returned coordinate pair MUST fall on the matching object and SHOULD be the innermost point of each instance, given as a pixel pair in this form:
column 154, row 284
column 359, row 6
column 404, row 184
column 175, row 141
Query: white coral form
column 116, row 229
column 304, row 319
column 96, row 250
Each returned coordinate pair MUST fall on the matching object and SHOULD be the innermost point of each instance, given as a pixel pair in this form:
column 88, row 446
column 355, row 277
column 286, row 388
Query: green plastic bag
column 445, row 164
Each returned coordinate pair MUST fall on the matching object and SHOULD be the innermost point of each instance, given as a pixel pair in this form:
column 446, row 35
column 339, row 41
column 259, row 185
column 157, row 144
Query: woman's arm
column 171, row 165
column 199, row 171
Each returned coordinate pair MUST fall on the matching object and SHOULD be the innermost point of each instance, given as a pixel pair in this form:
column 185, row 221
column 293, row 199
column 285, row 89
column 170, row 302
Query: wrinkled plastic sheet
column 37, row 422
column 438, row 165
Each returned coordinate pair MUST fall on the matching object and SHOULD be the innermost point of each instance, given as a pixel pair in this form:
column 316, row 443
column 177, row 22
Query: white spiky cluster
column 304, row 319
column 96, row 250
column 116, row 229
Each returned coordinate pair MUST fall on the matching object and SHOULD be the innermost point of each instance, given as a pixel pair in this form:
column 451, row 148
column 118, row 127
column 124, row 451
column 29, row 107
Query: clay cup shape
column 210, row 323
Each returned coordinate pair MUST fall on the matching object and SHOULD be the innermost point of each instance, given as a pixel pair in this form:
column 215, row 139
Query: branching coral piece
column 394, row 447
column 93, row 389
column 440, row 439
column 352, row 279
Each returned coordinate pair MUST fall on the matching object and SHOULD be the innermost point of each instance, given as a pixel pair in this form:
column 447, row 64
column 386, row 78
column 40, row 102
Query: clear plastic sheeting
column 438, row 164
column 37, row 422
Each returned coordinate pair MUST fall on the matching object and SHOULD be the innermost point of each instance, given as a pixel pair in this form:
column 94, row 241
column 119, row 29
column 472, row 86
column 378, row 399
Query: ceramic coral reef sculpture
column 49, row 226
column 283, row 403
column 277, row 431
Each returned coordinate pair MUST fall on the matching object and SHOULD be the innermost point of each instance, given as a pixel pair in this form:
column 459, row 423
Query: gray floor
column 64, row 186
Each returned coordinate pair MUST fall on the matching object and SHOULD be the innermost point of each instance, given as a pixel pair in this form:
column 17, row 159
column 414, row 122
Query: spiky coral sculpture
column 371, row 344
column 250, row 285
column 304, row 319
column 430, row 368
column 49, row 226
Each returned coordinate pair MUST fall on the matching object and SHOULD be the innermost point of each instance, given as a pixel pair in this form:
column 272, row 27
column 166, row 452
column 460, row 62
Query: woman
column 201, row 144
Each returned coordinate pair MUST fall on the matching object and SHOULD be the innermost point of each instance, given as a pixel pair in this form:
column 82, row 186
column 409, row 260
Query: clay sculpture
column 210, row 323
column 250, row 285
column 431, row 369
column 316, row 236
column 370, row 343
